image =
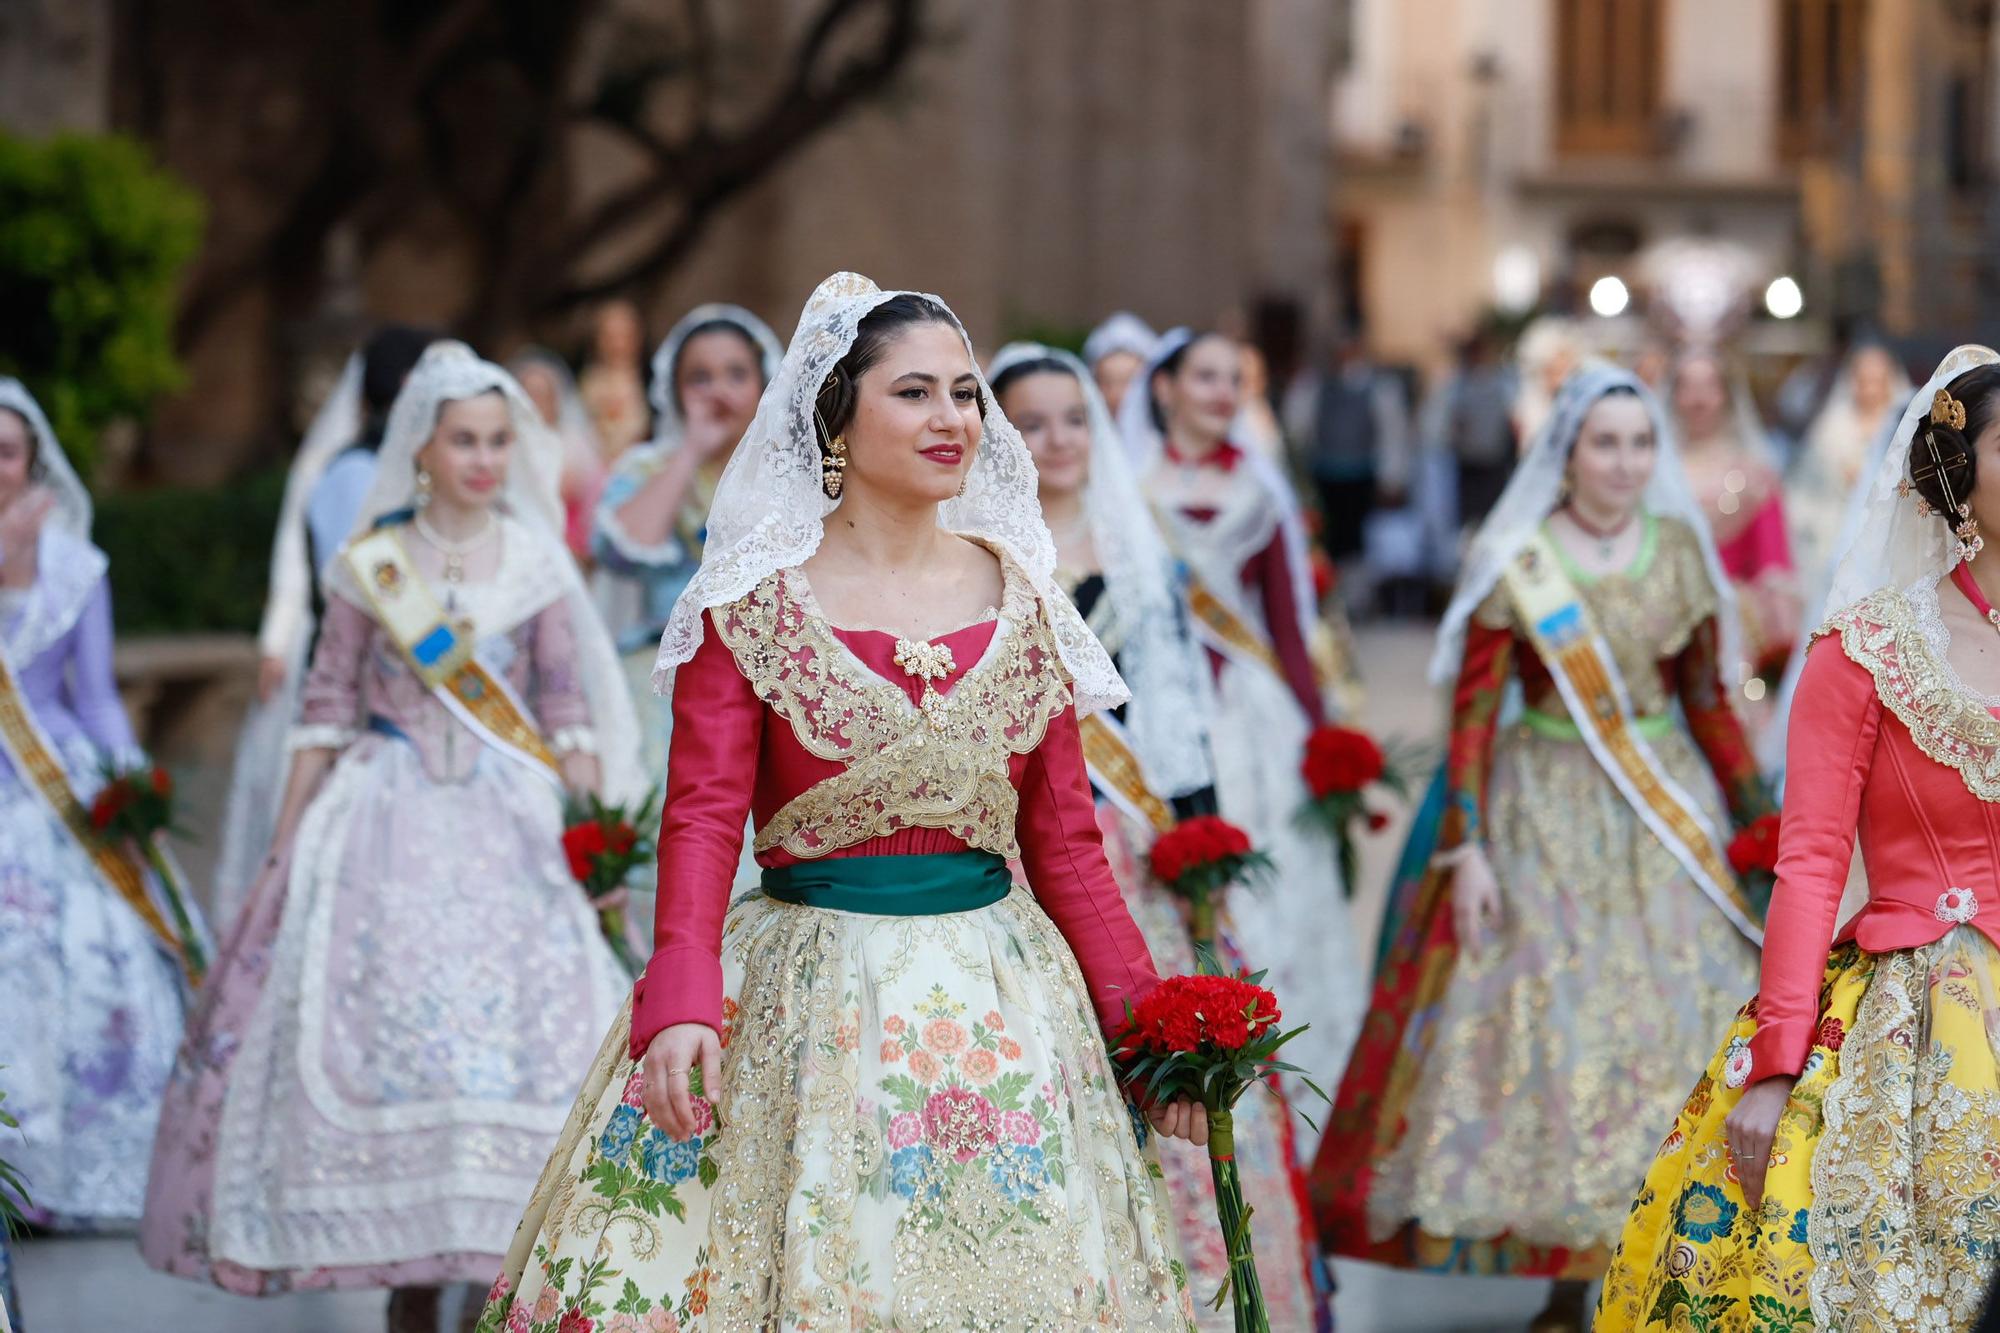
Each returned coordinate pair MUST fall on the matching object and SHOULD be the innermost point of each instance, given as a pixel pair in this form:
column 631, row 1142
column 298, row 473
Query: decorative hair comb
column 1946, row 411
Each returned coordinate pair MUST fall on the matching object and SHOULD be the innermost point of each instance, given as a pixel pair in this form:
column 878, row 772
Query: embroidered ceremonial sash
column 439, row 650
column 35, row 760
column 1559, row 625
column 1116, row 770
column 1227, row 633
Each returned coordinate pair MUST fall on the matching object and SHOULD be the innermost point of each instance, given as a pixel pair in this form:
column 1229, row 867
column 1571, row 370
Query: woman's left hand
column 581, row 772
column 1181, row 1119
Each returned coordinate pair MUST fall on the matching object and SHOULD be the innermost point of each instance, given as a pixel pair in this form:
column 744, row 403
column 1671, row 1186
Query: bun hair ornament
column 1947, row 414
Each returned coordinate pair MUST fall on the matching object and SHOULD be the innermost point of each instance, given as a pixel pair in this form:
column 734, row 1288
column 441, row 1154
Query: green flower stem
column 613, row 925
column 1201, row 921
column 1242, row 1286
column 192, row 955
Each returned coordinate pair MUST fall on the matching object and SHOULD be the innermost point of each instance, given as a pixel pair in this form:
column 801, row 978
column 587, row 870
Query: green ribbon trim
column 937, row 884
column 1559, row 727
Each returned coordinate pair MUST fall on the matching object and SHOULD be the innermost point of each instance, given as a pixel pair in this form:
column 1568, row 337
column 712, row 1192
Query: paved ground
column 99, row 1285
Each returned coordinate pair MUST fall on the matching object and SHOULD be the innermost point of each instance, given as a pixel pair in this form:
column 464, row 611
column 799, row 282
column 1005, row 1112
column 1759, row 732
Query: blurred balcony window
column 1608, row 63
column 1968, row 98
column 1819, row 74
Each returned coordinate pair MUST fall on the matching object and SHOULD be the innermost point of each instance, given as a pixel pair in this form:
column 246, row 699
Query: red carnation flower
column 1185, row 1013
column 1341, row 759
column 1756, row 847
column 1377, row 821
column 620, row 838
column 1326, row 576
column 583, row 843
column 163, row 782
column 110, row 803
column 1194, row 843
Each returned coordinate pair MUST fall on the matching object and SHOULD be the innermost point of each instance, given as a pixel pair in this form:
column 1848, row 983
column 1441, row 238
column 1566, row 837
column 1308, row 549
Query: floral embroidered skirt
column 1881, row 1208
column 1501, row 1107
column 386, row 1047
column 90, row 1014
column 1267, row 1148
column 917, row 1129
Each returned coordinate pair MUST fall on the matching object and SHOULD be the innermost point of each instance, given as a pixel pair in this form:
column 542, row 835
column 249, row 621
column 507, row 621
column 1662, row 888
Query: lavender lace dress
column 90, row 1005
column 399, row 1021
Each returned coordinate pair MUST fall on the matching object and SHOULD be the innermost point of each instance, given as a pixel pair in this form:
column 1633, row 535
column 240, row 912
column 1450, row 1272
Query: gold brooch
column 1947, row 410
column 929, row 663
column 388, row 578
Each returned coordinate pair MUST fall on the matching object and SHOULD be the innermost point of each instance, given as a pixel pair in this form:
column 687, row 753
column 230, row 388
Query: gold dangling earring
column 423, row 496
column 1970, row 543
column 833, row 470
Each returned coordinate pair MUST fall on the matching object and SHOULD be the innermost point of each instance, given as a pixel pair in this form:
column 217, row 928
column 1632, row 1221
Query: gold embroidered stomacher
column 945, row 765
column 1881, row 635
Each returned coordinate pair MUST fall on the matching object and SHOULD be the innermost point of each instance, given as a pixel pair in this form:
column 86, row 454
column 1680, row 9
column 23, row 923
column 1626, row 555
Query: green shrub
column 93, row 242
column 190, row 560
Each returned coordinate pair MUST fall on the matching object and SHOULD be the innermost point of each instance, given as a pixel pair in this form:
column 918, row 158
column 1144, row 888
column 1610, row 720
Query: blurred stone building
column 1502, row 154
column 1037, row 162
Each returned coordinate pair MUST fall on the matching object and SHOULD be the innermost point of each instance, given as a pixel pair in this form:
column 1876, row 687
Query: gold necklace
column 455, row 552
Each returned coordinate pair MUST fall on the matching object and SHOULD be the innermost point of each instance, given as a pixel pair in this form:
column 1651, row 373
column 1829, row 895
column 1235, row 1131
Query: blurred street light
column 1783, row 298
column 1608, row 297
column 1517, row 279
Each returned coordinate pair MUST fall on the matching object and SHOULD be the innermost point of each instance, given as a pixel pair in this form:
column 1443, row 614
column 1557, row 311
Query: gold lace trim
column 946, row 768
column 1880, row 634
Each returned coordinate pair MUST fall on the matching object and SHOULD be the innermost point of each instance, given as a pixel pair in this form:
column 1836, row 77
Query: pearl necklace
column 455, row 552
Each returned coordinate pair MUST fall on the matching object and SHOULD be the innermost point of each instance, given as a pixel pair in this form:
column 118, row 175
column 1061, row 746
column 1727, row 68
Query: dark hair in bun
column 1020, row 370
column 1955, row 462
column 833, row 409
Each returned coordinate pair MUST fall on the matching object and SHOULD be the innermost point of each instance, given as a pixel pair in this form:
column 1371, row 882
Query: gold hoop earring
column 423, row 496
column 834, row 468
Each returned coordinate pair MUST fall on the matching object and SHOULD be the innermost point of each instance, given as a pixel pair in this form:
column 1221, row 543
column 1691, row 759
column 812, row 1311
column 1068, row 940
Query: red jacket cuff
column 678, row 986
column 1779, row 1047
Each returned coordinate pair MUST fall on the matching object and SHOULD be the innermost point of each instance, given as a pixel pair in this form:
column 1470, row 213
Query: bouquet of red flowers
column 1209, row 1038
column 1340, row 765
column 135, row 806
column 1200, row 857
column 1753, row 853
column 604, row 846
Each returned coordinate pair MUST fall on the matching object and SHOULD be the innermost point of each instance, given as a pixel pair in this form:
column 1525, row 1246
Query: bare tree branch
column 806, row 102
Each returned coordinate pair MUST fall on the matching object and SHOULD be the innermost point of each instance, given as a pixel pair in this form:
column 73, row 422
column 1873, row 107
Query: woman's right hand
column 1751, row 1129
column 271, row 672
column 21, row 525
column 1475, row 900
column 667, row 1068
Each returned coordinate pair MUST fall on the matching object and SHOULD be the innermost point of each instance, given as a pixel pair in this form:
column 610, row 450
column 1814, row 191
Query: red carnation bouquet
column 1209, row 1038
column 1197, row 860
column 604, row 847
column 1340, row 764
column 135, row 807
column 1753, row 854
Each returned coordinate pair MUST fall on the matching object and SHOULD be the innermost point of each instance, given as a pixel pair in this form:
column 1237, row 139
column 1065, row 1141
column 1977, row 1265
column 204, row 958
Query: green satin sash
column 937, row 884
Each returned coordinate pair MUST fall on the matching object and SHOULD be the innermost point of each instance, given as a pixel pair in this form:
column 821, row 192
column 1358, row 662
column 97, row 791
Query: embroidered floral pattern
column 1884, row 634
column 944, row 765
column 862, row 1151
column 1736, row 1064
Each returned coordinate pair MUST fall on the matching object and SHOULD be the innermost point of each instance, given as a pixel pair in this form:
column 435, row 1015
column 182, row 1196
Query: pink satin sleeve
column 331, row 695
column 711, row 776
column 1271, row 571
column 1836, row 718
column 1762, row 546
column 1062, row 849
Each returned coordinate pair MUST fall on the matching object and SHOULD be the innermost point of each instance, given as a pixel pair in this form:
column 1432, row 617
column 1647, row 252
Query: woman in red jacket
column 1839, row 1163
column 875, row 1092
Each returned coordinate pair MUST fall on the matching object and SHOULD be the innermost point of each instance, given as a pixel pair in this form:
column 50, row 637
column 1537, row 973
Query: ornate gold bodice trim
column 943, row 765
column 1882, row 634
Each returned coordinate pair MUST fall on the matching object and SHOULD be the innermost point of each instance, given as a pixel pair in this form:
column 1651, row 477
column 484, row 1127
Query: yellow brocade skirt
column 1881, row 1207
